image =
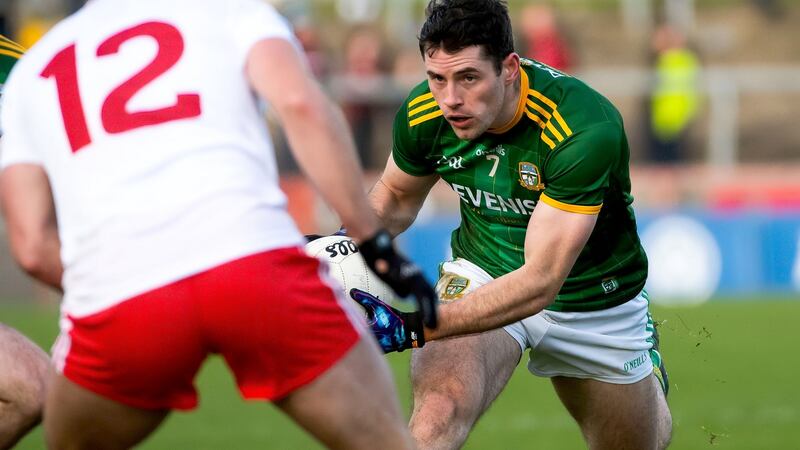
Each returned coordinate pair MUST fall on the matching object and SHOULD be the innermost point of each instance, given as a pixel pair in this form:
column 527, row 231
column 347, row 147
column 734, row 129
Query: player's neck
column 510, row 112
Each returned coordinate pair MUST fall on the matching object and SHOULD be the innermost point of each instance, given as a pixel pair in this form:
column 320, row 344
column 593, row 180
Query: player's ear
column 509, row 68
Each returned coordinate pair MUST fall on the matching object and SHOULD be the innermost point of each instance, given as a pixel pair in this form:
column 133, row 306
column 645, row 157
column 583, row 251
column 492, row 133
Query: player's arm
column 553, row 241
column 27, row 204
column 398, row 196
column 321, row 142
column 316, row 130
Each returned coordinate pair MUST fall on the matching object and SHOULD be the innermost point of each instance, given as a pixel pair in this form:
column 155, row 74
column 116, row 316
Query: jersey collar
column 523, row 97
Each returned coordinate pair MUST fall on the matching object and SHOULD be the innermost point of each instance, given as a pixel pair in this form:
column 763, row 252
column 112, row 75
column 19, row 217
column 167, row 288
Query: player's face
column 472, row 96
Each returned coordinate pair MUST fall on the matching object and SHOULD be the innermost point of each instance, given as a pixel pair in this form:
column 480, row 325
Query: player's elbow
column 29, row 252
column 544, row 285
column 300, row 107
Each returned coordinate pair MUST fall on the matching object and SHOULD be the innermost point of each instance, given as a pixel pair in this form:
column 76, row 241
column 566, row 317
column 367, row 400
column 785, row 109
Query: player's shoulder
column 566, row 102
column 10, row 53
column 420, row 113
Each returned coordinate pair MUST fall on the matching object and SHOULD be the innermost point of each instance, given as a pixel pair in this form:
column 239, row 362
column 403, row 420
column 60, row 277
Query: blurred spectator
column 407, row 69
column 674, row 100
column 307, row 33
column 32, row 29
column 542, row 38
column 771, row 9
column 363, row 77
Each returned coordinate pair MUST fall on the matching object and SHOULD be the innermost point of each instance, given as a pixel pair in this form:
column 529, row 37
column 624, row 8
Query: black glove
column 394, row 330
column 403, row 276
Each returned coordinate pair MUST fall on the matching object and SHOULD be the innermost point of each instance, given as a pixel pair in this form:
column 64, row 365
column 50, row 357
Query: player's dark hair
column 453, row 25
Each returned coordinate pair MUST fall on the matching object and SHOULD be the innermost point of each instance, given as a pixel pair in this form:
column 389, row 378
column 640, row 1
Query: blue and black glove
column 395, row 330
column 402, row 275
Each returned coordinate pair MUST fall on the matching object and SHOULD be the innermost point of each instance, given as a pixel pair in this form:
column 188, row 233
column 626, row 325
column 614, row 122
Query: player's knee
column 665, row 431
column 22, row 403
column 22, row 394
column 438, row 421
column 451, row 405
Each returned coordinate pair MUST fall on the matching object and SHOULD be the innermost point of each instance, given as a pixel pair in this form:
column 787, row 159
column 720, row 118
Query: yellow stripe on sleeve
column 422, row 107
column 538, row 108
column 420, row 99
column 555, row 132
column 13, row 54
column 561, row 122
column 543, row 136
column 544, row 99
column 428, row 116
column 11, row 44
column 580, row 209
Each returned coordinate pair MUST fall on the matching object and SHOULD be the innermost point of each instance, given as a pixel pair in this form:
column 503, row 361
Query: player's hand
column 403, row 276
column 394, row 330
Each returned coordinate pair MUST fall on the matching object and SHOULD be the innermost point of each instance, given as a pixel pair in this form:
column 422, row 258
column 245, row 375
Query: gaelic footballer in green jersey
column 565, row 147
column 10, row 52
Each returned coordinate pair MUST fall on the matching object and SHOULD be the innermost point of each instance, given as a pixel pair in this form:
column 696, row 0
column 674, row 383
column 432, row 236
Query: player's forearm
column 40, row 257
column 394, row 214
column 510, row 298
column 327, row 155
column 31, row 222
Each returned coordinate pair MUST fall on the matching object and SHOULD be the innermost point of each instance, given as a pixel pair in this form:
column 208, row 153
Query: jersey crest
column 529, row 177
column 454, row 288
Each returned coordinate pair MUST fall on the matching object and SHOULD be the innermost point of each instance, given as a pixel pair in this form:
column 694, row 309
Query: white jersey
column 159, row 159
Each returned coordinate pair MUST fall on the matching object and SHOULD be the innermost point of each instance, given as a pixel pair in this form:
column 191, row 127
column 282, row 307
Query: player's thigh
column 76, row 418
column 617, row 415
column 353, row 405
column 276, row 322
column 470, row 369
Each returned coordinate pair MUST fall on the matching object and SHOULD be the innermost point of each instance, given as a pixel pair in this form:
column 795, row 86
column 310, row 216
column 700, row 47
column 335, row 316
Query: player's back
column 160, row 163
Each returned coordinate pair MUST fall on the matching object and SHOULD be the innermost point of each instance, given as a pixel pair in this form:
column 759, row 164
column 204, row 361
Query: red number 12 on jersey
column 115, row 117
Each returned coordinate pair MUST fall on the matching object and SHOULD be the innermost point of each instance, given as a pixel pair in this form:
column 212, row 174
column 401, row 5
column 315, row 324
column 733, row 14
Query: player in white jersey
column 135, row 148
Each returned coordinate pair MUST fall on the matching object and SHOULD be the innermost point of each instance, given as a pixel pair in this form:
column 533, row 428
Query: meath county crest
column 454, row 289
column 529, row 176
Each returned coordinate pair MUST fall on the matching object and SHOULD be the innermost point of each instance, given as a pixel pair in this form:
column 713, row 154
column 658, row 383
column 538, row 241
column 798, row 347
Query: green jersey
column 566, row 147
column 10, row 52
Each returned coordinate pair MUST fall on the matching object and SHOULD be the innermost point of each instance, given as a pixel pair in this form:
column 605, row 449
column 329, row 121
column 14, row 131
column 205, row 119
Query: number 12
column 115, row 117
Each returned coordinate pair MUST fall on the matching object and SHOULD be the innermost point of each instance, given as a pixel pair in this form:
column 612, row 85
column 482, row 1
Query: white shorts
column 612, row 345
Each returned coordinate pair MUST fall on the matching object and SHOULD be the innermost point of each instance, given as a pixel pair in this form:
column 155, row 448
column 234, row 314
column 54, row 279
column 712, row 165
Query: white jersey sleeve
column 252, row 21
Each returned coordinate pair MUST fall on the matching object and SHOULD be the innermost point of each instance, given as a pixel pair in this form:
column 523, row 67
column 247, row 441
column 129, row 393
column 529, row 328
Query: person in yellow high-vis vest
column 674, row 101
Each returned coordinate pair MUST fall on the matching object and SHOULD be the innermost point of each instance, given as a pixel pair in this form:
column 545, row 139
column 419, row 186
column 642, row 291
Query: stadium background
column 719, row 209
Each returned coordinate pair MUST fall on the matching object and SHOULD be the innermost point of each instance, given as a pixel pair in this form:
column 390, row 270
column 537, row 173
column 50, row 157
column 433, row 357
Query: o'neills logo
column 529, row 176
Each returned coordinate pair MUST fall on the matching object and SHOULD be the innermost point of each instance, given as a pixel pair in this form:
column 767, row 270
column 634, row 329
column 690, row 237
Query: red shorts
column 270, row 315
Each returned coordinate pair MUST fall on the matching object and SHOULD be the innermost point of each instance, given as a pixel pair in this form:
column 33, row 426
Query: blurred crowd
column 365, row 52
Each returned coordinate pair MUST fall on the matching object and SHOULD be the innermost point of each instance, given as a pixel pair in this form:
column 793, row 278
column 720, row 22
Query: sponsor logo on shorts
column 634, row 363
column 454, row 288
column 610, row 285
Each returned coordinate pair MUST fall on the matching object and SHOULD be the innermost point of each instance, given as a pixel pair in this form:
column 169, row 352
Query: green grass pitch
column 733, row 367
